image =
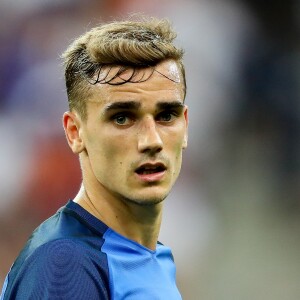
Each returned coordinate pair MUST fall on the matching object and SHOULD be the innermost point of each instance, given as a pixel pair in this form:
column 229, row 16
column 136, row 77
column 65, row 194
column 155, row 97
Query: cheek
column 111, row 153
column 174, row 150
column 177, row 151
column 176, row 139
column 106, row 163
column 178, row 156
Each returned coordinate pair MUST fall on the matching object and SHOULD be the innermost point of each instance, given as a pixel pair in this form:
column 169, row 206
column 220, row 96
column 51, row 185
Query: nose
column 149, row 139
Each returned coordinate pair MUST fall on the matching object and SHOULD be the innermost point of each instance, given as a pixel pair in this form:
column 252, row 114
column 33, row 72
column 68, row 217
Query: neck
column 136, row 222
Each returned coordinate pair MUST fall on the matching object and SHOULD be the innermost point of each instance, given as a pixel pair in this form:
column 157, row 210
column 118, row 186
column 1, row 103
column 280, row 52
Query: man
column 128, row 124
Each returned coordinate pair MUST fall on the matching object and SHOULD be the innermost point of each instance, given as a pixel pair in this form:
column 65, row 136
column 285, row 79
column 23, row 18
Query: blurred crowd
column 233, row 218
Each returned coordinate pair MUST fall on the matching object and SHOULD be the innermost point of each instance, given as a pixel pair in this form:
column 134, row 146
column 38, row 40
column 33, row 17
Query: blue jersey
column 73, row 255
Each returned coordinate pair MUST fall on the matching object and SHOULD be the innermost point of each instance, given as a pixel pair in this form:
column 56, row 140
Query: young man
column 128, row 124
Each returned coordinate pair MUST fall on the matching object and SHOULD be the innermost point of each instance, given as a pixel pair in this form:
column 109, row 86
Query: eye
column 166, row 116
column 122, row 119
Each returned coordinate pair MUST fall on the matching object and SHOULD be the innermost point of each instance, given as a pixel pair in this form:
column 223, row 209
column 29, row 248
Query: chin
column 142, row 202
column 147, row 200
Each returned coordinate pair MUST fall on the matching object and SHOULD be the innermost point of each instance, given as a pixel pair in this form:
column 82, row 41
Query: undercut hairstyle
column 130, row 45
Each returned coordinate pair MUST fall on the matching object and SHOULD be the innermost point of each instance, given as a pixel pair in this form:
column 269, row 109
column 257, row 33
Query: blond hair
column 128, row 44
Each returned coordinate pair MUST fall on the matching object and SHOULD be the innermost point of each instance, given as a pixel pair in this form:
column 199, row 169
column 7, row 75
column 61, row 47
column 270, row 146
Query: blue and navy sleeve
column 61, row 269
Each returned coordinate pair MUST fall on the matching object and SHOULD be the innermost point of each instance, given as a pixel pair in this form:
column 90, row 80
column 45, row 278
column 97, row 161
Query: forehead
column 161, row 82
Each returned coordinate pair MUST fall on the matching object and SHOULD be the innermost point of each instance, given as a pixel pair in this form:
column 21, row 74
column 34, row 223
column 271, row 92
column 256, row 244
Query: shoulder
column 61, row 260
column 61, row 269
column 61, row 230
column 63, row 253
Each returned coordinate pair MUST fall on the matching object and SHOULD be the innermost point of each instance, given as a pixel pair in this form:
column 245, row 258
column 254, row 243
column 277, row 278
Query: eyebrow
column 128, row 105
column 169, row 105
column 133, row 105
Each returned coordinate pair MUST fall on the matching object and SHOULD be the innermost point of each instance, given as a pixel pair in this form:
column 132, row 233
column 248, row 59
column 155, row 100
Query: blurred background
column 233, row 219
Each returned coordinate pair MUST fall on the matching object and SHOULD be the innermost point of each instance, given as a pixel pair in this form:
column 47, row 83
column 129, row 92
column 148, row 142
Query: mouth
column 151, row 172
column 150, row 169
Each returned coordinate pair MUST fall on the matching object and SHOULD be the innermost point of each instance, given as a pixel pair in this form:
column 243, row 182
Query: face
column 134, row 136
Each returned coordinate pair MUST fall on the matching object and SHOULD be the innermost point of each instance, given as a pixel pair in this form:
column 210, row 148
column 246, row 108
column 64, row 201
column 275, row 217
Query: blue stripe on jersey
column 136, row 272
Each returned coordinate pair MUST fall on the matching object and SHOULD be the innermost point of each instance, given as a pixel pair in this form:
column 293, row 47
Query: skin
column 129, row 126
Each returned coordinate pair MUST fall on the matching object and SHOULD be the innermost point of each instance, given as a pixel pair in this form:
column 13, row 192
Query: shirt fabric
column 73, row 255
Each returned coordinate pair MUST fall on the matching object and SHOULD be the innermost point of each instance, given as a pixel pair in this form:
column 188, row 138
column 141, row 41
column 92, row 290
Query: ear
column 185, row 138
column 72, row 123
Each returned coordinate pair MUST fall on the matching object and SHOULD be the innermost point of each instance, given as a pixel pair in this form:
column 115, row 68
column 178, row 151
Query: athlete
column 127, row 122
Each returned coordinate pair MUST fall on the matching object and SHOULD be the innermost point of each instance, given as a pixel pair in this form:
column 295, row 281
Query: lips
column 150, row 169
column 151, row 172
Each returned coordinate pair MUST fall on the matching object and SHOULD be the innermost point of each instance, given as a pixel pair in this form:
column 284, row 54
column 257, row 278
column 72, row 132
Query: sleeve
column 61, row 269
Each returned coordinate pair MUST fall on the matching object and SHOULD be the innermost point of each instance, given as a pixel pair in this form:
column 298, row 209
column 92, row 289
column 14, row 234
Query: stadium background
column 233, row 219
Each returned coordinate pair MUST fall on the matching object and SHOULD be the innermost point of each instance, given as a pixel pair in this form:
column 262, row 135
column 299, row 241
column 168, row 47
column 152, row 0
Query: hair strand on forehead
column 130, row 45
